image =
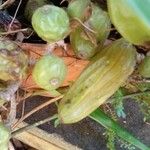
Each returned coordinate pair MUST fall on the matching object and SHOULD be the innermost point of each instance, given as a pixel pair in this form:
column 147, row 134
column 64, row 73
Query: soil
column 87, row 134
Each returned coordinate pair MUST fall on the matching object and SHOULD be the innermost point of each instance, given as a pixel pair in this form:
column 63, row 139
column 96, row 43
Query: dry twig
column 35, row 110
column 15, row 31
column 34, row 125
column 9, row 29
column 12, row 114
column 6, row 4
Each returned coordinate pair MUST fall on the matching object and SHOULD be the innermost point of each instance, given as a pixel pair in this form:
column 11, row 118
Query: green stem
column 34, row 125
column 100, row 117
column 132, row 95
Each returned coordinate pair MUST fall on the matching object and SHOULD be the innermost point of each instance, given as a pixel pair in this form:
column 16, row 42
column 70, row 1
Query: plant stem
column 12, row 115
column 100, row 117
column 34, row 125
column 132, row 95
column 37, row 109
column 89, row 29
column 15, row 31
column 15, row 15
column 7, row 3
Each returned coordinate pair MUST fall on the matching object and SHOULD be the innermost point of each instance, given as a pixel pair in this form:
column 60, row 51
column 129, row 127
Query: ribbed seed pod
column 132, row 19
column 103, row 76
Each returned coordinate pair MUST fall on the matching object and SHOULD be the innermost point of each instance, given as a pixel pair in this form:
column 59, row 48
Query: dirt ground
column 87, row 134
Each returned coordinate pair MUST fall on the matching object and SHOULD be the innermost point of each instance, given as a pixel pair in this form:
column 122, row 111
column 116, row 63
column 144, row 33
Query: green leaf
column 100, row 117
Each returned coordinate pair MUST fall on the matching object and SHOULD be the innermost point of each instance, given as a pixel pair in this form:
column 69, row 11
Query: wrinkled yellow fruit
column 100, row 80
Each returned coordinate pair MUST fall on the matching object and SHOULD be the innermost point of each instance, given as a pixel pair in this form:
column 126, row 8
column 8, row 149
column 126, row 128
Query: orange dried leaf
column 35, row 51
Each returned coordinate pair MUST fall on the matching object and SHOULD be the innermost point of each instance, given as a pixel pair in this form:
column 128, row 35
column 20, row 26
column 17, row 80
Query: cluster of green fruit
column 86, row 23
column 88, row 27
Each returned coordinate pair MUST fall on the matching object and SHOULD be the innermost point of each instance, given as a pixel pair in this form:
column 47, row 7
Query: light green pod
column 51, row 23
column 81, row 44
column 99, row 22
column 132, row 19
column 84, row 41
column 49, row 72
column 100, row 80
column 77, row 9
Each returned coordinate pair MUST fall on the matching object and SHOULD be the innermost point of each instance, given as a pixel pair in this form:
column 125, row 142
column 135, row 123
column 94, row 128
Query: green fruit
column 99, row 22
column 81, row 44
column 31, row 6
column 13, row 61
column 106, row 72
column 132, row 19
column 4, row 137
column 49, row 72
column 51, row 23
column 144, row 67
column 85, row 42
column 78, row 8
